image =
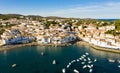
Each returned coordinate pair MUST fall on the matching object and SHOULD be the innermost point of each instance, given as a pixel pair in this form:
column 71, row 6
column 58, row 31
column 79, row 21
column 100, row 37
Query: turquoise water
column 30, row 60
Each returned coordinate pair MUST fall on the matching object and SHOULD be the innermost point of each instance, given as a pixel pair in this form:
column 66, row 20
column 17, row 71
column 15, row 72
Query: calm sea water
column 108, row 19
column 30, row 60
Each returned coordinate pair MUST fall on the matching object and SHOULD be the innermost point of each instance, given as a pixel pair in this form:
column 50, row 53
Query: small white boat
column 91, row 65
column 95, row 60
column 69, row 63
column 42, row 53
column 90, row 70
column 76, row 71
column 90, row 62
column 84, row 59
column 84, row 55
column 118, row 61
column 78, row 60
column 87, row 53
column 85, row 66
column 110, row 60
column 89, row 59
column 63, row 70
column 74, row 60
column 54, row 62
column 68, row 66
column 14, row 65
column 118, row 66
column 82, row 62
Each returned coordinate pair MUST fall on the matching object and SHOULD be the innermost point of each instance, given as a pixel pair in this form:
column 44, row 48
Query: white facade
column 43, row 40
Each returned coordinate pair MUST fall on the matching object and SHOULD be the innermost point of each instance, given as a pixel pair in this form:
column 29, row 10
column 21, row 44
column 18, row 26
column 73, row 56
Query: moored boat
column 54, row 62
column 14, row 65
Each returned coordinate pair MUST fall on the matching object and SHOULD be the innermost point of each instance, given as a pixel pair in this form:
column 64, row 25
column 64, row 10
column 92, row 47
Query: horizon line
column 60, row 16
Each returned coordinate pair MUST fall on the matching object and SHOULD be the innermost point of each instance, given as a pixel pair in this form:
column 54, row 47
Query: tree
column 117, row 24
column 1, row 31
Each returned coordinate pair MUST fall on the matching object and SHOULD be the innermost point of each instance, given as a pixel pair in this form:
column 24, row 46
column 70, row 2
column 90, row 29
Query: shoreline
column 10, row 47
column 98, row 48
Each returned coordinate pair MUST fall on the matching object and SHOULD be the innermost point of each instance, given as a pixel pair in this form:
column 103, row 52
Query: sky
column 63, row 8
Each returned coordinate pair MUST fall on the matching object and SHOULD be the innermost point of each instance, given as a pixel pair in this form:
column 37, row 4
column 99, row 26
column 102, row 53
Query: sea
column 39, row 59
column 110, row 20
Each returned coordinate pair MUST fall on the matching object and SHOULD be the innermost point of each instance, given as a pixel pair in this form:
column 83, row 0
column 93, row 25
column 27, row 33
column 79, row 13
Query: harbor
column 60, row 36
column 61, row 59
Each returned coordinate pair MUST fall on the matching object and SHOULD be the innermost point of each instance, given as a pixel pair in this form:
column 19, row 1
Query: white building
column 43, row 40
